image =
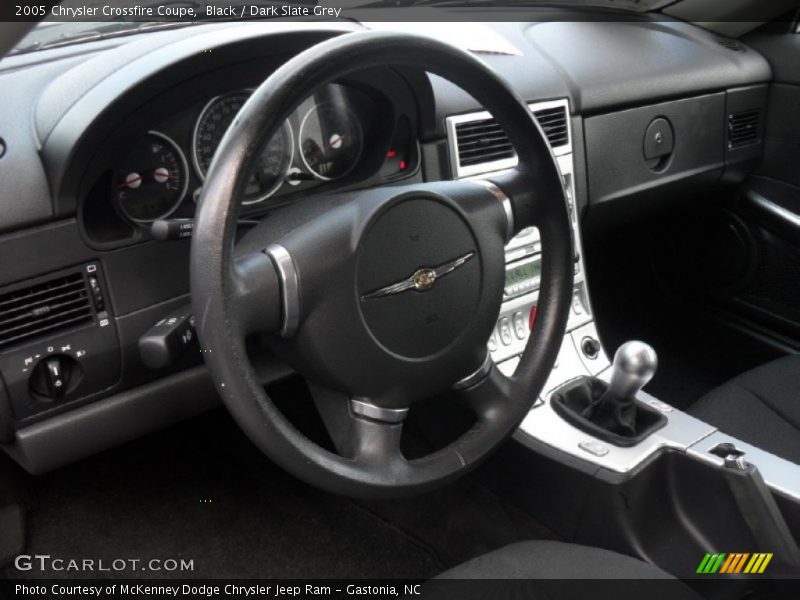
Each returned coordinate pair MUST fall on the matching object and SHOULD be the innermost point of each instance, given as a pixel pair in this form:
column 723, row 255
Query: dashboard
column 103, row 139
column 153, row 163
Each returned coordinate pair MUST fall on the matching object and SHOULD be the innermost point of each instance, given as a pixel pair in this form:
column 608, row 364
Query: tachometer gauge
column 276, row 158
column 152, row 179
column 330, row 140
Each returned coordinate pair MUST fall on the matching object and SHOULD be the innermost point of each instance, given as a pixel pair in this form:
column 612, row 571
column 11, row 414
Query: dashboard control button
column 505, row 331
column 97, row 294
column 54, row 376
column 532, row 317
column 577, row 305
column 169, row 340
column 592, row 447
column 492, row 343
column 520, row 328
column 659, row 405
column 590, row 347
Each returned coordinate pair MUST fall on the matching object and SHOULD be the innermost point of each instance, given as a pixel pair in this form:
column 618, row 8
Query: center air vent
column 481, row 141
column 744, row 128
column 44, row 307
column 554, row 123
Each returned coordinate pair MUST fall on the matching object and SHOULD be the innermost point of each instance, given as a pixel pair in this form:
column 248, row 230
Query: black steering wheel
column 383, row 297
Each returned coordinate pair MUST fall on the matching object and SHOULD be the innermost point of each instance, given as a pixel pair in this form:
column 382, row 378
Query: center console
column 581, row 352
column 545, row 429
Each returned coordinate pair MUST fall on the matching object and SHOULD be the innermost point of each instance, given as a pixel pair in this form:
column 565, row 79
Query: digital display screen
column 530, row 270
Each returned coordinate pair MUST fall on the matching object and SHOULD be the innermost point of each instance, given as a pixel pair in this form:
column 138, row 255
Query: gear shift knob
column 635, row 364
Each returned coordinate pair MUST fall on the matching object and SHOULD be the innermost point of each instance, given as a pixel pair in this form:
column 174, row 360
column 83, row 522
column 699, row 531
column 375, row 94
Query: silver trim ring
column 287, row 126
column 290, row 287
column 477, row 376
column 184, row 188
column 377, row 413
column 506, row 202
column 300, row 131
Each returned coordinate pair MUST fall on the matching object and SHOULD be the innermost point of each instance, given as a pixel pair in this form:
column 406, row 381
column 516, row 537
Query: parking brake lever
column 759, row 509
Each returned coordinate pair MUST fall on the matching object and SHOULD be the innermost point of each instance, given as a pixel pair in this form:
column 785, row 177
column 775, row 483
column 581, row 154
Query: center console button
column 590, row 347
column 492, row 343
column 592, row 447
column 520, row 327
column 505, row 331
column 532, row 316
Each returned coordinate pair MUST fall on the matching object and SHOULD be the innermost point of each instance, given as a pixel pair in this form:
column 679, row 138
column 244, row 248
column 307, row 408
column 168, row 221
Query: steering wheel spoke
column 360, row 430
column 256, row 294
column 523, row 192
column 488, row 392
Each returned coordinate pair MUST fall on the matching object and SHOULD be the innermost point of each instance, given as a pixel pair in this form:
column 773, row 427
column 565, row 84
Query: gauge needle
column 336, row 142
column 134, row 180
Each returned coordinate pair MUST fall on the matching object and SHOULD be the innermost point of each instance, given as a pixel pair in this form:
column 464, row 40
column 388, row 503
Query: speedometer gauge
column 330, row 140
column 214, row 121
column 152, row 179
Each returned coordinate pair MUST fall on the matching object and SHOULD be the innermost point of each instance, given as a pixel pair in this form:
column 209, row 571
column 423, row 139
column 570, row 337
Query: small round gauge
column 330, row 141
column 152, row 179
column 276, row 158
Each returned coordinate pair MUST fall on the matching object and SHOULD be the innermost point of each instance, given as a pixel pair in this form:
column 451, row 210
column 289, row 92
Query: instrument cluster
column 336, row 138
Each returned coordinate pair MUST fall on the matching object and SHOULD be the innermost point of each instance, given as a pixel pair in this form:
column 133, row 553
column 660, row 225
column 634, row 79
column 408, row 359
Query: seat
column 554, row 570
column 760, row 407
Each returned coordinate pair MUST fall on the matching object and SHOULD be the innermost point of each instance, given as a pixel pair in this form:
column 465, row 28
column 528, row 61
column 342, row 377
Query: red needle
column 129, row 182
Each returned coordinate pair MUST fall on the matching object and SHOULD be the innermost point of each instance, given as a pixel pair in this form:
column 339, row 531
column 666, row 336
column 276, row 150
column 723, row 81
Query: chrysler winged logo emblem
column 422, row 279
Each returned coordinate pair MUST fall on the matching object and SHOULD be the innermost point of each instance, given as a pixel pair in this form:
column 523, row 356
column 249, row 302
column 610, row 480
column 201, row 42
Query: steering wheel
column 383, row 297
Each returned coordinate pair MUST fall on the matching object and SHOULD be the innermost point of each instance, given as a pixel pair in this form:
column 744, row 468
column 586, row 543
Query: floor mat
column 201, row 491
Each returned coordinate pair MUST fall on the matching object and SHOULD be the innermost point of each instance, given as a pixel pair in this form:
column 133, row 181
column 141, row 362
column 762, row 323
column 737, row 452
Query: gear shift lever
column 611, row 411
column 635, row 364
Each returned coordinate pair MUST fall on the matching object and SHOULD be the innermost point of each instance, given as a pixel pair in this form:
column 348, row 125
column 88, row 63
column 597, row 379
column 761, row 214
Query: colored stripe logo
column 734, row 562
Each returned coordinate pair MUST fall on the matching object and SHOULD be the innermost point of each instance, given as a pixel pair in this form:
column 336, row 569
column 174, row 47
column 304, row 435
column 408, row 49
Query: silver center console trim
column 546, row 426
column 290, row 288
column 683, row 432
column 377, row 413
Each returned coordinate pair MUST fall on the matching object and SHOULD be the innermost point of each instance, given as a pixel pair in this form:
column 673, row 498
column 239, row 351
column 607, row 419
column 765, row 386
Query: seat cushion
column 760, row 407
column 553, row 570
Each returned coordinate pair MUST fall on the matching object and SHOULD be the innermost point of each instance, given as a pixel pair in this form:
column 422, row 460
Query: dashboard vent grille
column 482, row 141
column 554, row 123
column 44, row 307
column 730, row 44
column 744, row 128
column 485, row 141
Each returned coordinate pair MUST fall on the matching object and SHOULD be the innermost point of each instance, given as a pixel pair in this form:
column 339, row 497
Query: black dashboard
column 152, row 163
column 103, row 138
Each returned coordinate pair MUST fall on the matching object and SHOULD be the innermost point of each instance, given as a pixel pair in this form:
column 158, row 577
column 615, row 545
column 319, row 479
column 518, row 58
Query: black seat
column 760, row 407
column 555, row 570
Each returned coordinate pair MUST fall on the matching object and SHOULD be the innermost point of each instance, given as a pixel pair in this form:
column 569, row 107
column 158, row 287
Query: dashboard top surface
column 63, row 94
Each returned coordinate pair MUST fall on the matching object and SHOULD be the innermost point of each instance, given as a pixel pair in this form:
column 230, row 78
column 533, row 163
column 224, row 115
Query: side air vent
column 554, row 123
column 484, row 141
column 481, row 141
column 44, row 307
column 744, row 128
column 730, row 44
